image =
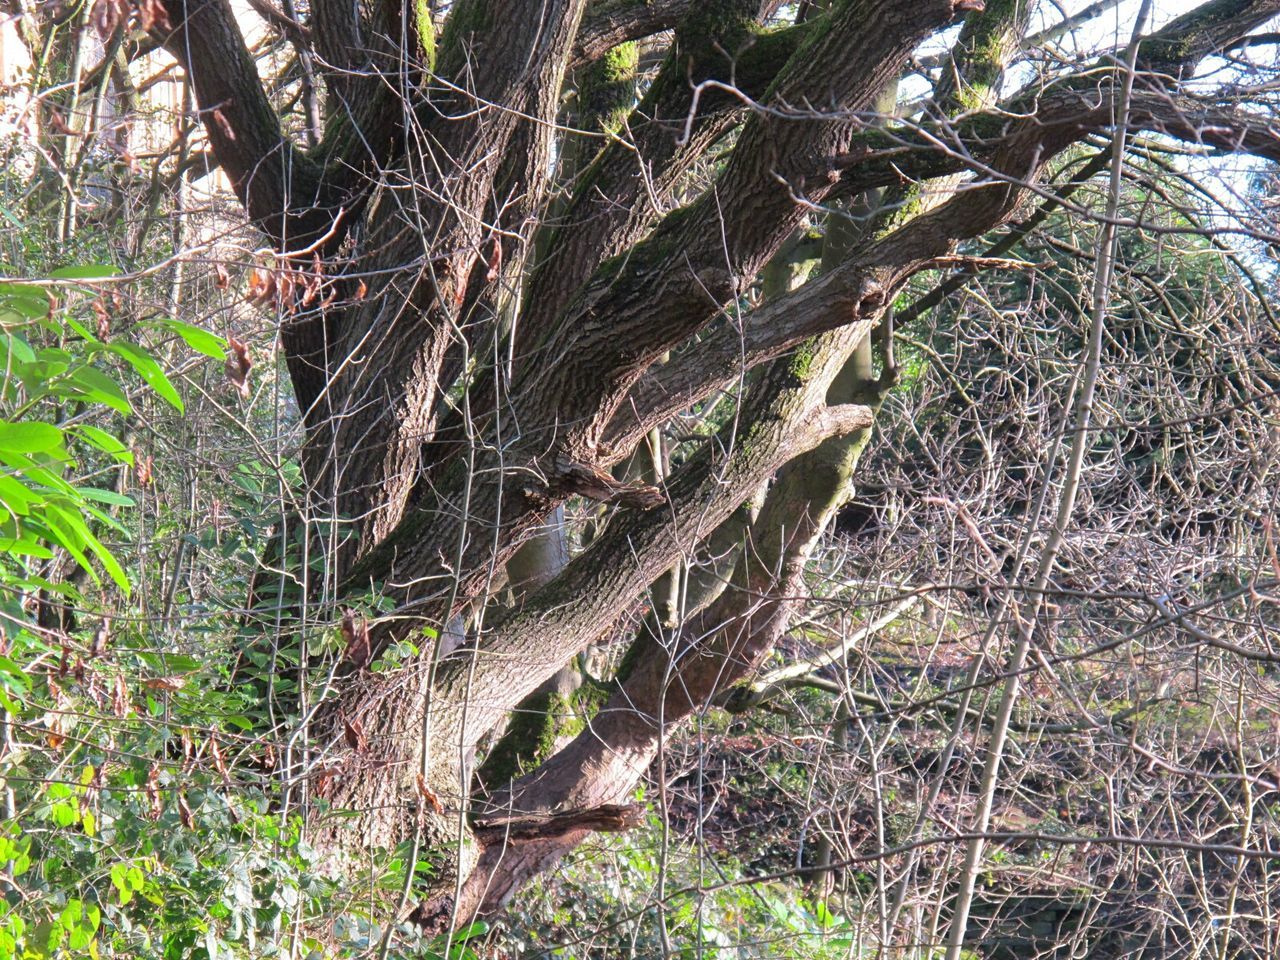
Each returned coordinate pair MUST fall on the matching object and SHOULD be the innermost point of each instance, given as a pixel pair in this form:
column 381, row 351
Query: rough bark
column 472, row 689
column 421, row 203
column 666, row 679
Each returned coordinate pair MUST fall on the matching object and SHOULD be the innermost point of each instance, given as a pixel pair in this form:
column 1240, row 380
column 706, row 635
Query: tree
column 506, row 286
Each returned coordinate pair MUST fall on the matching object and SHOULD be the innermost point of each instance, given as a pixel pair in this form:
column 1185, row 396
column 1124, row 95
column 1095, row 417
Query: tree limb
column 609, row 23
column 856, row 291
column 683, row 271
column 282, row 190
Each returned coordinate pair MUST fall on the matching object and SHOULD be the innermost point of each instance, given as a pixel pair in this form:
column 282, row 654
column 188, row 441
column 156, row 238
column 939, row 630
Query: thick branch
column 507, row 61
column 934, row 147
column 665, row 684
column 696, row 257
column 856, row 291
column 1178, row 47
column 680, row 275
column 623, row 192
column 281, row 189
column 1044, row 37
column 609, row 23
column 784, row 417
column 298, row 33
column 607, row 818
column 475, row 687
column 644, row 290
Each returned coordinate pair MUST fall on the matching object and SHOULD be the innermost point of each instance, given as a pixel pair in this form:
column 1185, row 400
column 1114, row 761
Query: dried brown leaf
column 238, row 365
column 355, row 633
column 223, row 123
column 98, row 646
column 168, row 684
column 103, row 319
column 495, row 262
column 262, row 286
column 153, row 792
column 219, row 762
column 120, row 704
column 59, row 124
column 429, row 795
column 107, row 16
column 152, row 15
column 354, row 732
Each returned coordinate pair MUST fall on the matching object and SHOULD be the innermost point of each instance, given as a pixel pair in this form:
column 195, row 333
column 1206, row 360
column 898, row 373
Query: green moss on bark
column 537, row 727
column 607, row 88
column 426, row 29
column 987, row 42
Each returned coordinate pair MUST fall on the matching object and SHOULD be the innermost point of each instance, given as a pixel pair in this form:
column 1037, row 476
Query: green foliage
column 607, row 88
column 138, row 821
column 48, row 383
column 171, row 866
column 62, row 371
column 612, row 888
column 108, row 854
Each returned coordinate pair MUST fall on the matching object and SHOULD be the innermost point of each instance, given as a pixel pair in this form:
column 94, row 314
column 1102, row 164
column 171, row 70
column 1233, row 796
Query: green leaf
column 17, row 497
column 16, row 351
column 11, row 706
column 23, row 302
column 39, row 378
column 69, row 530
column 477, row 929
column 105, row 496
column 85, row 271
column 201, row 341
column 52, row 355
column 65, row 813
column 16, row 677
column 81, row 329
column 106, row 519
column 105, row 442
column 33, row 471
column 75, row 526
column 71, row 913
column 25, row 547
column 112, row 566
column 146, row 367
column 33, row 437
column 100, row 388
column 120, row 879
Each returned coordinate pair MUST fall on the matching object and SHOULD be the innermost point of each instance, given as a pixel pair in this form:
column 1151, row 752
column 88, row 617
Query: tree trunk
column 470, row 353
